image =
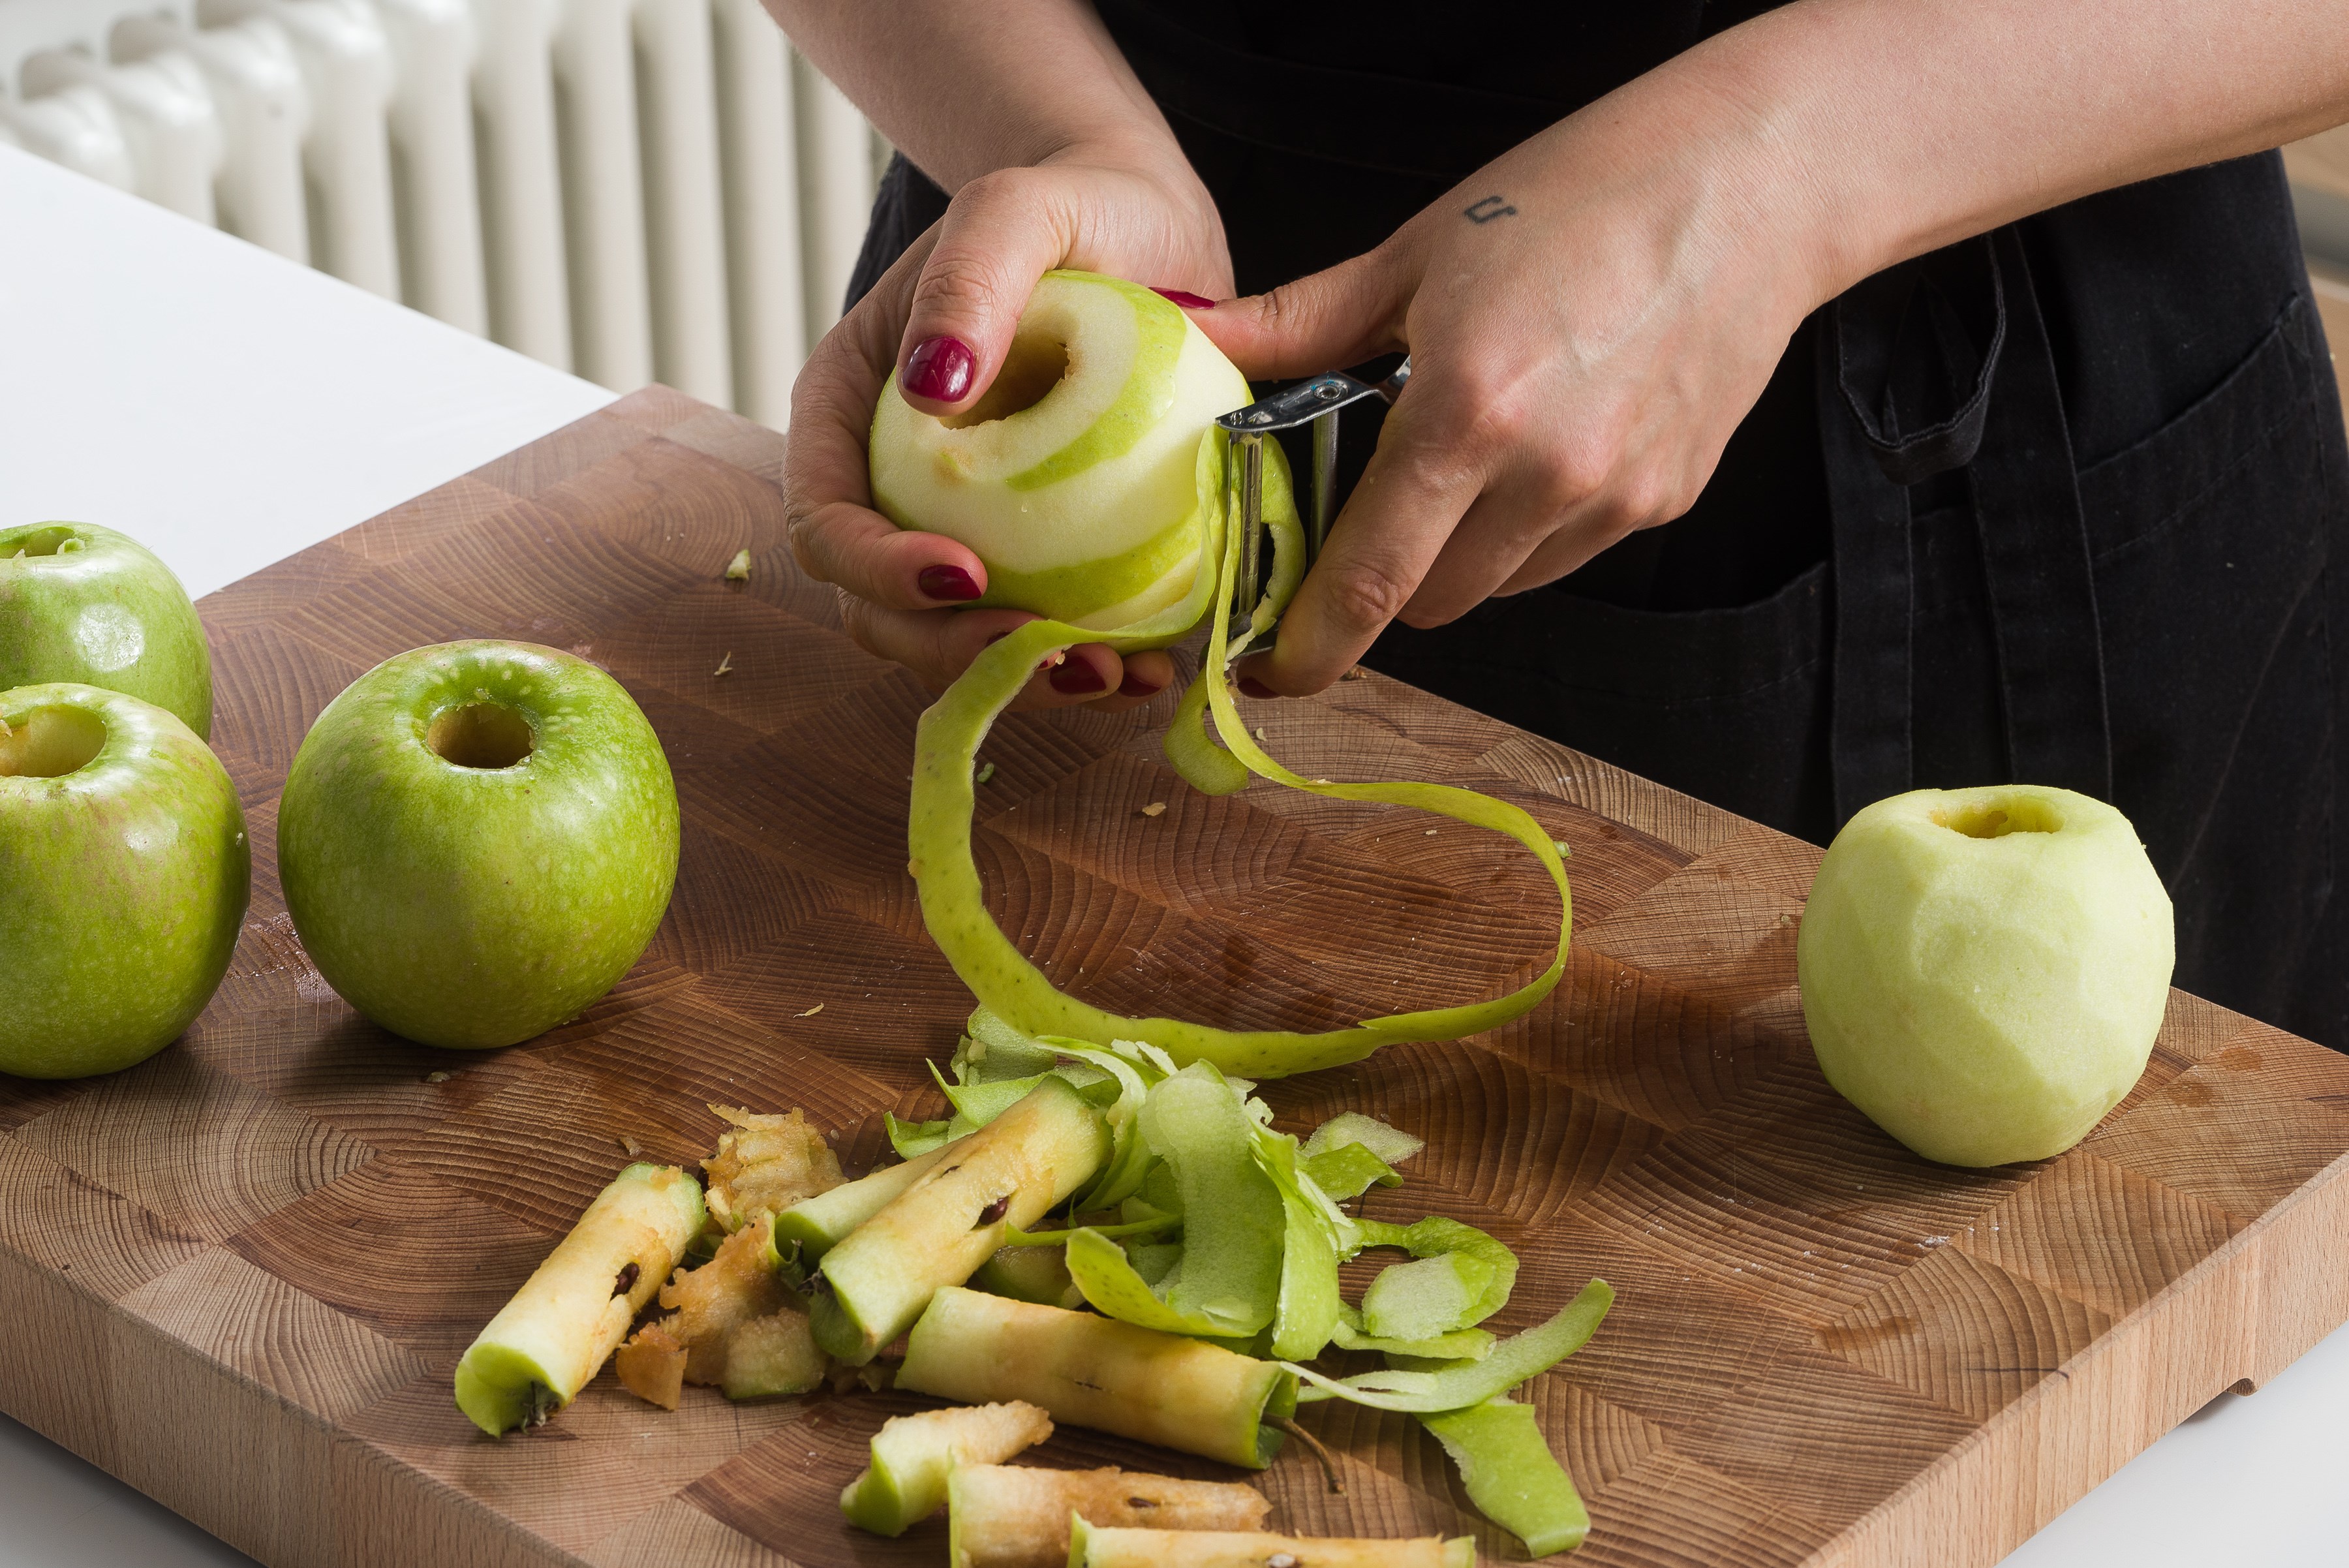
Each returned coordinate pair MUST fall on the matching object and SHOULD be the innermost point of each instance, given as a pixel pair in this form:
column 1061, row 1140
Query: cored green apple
column 124, row 873
column 79, row 602
column 1074, row 477
column 1983, row 970
column 477, row 840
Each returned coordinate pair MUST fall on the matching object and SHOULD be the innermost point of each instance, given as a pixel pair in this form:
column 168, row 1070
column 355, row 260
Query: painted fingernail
column 1184, row 299
column 951, row 584
column 939, row 368
column 1251, row 687
column 1134, row 686
column 1077, row 678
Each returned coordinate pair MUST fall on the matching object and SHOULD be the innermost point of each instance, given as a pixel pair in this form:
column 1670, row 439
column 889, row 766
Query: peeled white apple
column 1983, row 970
column 1074, row 477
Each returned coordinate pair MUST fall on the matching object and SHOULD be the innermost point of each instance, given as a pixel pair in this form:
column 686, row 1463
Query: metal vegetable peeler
column 1314, row 403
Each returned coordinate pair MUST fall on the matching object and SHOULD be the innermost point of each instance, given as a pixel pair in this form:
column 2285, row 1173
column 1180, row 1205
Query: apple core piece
column 124, row 875
column 574, row 1309
column 952, row 1218
column 905, row 1479
column 79, row 602
column 1098, row 1546
column 1097, row 1372
column 1017, row 1516
column 1983, row 970
column 477, row 840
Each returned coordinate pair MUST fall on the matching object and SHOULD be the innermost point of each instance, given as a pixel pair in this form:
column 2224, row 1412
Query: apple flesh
column 1983, row 970
column 79, row 602
column 124, row 874
column 477, row 840
column 1075, row 478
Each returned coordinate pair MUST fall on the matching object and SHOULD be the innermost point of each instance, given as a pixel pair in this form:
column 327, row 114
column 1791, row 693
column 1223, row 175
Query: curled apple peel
column 938, row 829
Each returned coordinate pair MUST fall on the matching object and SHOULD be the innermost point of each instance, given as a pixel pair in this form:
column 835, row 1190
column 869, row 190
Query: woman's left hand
column 1589, row 317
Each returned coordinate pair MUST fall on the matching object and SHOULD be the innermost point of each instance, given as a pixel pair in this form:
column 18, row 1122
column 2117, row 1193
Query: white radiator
column 633, row 190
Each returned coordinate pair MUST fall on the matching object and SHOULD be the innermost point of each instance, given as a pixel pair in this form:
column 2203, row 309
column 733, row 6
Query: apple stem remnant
column 1318, row 1450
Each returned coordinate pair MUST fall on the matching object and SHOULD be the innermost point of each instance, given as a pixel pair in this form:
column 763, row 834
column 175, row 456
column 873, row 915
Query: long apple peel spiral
column 938, row 834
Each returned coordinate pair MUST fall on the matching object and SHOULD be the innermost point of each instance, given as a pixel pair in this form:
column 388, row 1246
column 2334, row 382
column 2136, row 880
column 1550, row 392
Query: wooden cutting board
column 240, row 1275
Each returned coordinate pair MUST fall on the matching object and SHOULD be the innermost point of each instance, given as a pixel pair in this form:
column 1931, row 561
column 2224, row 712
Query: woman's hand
column 943, row 317
column 1589, row 318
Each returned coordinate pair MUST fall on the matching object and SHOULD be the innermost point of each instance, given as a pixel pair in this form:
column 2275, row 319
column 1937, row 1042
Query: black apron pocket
column 1728, row 705
column 2209, row 542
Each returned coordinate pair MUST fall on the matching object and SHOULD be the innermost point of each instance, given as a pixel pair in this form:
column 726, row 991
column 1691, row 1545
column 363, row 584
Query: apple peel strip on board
column 946, row 754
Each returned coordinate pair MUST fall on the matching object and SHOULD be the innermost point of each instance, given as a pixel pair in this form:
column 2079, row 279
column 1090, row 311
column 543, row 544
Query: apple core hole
column 1997, row 818
column 483, row 735
column 1036, row 365
column 50, row 743
column 51, row 541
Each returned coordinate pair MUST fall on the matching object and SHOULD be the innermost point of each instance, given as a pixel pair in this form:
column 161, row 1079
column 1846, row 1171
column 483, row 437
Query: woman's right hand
column 943, row 317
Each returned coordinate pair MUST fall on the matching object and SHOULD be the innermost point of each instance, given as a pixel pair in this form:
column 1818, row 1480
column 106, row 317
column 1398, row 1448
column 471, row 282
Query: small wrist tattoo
column 1490, row 208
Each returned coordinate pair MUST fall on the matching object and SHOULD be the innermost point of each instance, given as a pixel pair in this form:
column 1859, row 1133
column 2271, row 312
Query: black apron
column 2053, row 504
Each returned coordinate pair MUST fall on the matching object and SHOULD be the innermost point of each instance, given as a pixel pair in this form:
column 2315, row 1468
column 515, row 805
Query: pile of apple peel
column 1095, row 1234
column 930, row 474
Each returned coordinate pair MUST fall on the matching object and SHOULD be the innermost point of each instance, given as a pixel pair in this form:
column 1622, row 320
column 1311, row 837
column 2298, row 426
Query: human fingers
column 937, row 645
column 1002, row 233
column 835, row 535
column 1339, row 316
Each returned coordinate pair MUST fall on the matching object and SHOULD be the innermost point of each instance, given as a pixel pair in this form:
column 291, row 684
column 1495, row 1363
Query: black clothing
column 2055, row 504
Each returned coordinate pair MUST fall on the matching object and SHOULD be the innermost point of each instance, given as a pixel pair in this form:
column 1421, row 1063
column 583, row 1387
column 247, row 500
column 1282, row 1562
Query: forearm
column 967, row 88
column 1867, row 131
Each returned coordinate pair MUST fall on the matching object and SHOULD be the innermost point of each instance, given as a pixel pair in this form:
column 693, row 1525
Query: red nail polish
column 1134, row 686
column 1184, row 299
column 939, row 369
column 1077, row 678
column 951, row 584
column 1251, row 687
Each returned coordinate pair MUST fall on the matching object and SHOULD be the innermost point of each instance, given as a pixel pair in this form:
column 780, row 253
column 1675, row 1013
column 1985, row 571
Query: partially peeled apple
column 1074, row 477
column 1983, row 970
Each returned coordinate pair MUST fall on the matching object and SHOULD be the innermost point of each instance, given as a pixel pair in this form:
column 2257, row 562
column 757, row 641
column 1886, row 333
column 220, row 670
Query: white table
column 268, row 407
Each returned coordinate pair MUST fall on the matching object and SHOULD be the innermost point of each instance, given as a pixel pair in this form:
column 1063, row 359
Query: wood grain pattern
column 240, row 1275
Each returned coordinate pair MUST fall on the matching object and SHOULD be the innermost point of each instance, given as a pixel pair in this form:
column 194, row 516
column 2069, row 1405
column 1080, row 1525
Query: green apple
column 1983, row 970
column 124, row 872
column 79, row 602
column 477, row 840
column 1074, row 477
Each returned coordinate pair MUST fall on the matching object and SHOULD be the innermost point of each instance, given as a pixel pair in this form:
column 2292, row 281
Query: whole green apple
column 1983, row 970
column 1074, row 477
column 477, row 840
column 79, row 602
column 124, row 873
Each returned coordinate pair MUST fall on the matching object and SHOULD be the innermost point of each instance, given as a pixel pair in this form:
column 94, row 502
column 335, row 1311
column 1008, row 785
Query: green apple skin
column 1083, row 504
column 1983, row 970
column 123, row 879
column 87, row 604
column 475, row 906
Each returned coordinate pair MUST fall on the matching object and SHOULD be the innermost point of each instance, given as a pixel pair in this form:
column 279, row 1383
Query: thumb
column 1002, row 233
column 1340, row 317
